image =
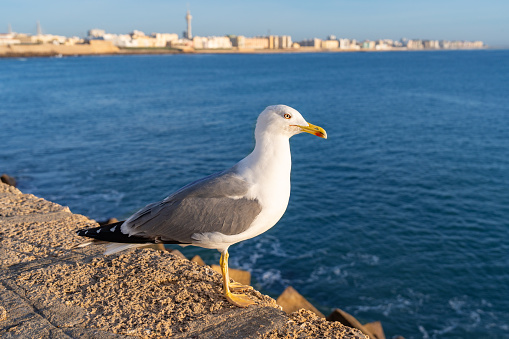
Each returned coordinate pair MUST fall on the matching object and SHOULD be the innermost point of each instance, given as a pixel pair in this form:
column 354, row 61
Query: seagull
column 224, row 208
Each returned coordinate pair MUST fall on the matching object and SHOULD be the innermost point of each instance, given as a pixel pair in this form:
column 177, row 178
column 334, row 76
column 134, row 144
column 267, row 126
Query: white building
column 344, row 43
column 284, row 41
column 135, row 39
column 350, row 44
column 212, row 42
column 315, row 42
column 48, row 39
column 8, row 39
column 414, row 44
column 383, row 44
column 431, row 44
column 164, row 39
column 330, row 44
column 368, row 44
column 96, row 33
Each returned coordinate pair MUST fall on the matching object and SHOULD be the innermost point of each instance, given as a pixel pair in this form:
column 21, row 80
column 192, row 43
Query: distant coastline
column 104, row 48
column 100, row 42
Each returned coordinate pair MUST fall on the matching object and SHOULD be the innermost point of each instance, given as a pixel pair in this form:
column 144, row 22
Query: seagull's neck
column 270, row 159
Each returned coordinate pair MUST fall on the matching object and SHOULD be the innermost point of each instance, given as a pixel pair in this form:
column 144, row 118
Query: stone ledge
column 50, row 290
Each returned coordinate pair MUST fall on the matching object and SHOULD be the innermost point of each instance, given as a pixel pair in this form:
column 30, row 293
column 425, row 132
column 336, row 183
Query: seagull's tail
column 114, row 247
column 117, row 241
column 112, row 235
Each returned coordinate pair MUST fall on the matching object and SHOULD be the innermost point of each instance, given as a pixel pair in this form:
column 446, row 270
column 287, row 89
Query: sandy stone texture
column 143, row 293
column 306, row 324
column 50, row 289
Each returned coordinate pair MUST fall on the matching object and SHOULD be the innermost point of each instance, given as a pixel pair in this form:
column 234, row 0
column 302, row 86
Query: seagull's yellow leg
column 240, row 300
column 238, row 287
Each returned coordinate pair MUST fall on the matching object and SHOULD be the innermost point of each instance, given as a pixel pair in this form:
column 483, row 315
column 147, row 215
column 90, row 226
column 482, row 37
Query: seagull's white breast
column 267, row 169
column 272, row 190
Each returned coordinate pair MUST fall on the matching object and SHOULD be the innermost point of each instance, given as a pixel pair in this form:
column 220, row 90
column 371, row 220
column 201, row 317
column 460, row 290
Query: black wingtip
column 112, row 233
column 95, row 232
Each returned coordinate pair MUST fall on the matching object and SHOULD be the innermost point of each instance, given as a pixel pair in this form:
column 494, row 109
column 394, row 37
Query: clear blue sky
column 486, row 20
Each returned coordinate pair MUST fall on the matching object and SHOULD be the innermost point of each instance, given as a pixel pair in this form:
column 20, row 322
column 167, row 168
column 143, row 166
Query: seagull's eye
column 287, row 116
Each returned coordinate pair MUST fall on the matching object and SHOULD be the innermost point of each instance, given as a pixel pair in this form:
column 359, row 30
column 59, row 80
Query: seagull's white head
column 282, row 119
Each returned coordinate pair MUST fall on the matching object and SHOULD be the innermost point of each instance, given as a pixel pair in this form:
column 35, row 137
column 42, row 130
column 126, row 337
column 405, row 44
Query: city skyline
column 449, row 20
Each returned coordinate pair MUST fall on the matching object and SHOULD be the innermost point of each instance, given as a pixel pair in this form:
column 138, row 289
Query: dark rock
column 6, row 179
column 291, row 301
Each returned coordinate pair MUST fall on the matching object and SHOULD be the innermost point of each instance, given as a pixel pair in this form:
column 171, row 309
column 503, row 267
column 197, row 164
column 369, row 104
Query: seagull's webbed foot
column 238, row 287
column 240, row 300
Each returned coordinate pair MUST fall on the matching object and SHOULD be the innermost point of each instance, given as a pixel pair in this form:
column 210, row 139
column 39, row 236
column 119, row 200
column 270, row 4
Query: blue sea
column 401, row 216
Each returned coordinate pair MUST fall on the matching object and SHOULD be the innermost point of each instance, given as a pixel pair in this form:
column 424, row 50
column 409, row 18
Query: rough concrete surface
column 50, row 290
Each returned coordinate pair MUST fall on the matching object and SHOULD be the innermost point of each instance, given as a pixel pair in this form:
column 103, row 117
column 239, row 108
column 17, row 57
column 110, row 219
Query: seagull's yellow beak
column 312, row 129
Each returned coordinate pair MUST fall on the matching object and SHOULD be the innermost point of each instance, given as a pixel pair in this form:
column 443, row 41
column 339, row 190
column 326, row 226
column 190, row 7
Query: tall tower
column 39, row 29
column 189, row 34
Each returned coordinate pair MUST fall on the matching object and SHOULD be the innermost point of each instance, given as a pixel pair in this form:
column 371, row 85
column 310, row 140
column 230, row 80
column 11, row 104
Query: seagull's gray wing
column 216, row 203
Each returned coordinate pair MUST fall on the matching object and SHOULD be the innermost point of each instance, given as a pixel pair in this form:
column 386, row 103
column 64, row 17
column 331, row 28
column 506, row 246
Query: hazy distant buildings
column 285, row 41
column 254, row 43
column 431, row 44
column 26, row 39
column 367, row 44
column 138, row 39
column 414, row 44
column 344, row 43
column 348, row 44
column 387, row 44
column 444, row 44
column 397, row 44
column 8, row 39
column 384, row 44
column 96, row 33
column 134, row 39
column 279, row 42
column 238, row 41
column 418, row 44
column 315, row 43
column 242, row 42
column 330, row 44
column 212, row 42
column 262, row 42
column 273, row 42
column 164, row 39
